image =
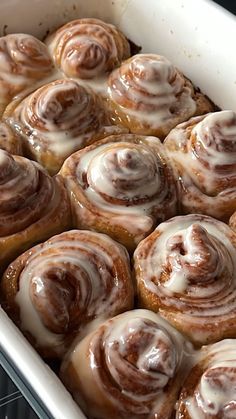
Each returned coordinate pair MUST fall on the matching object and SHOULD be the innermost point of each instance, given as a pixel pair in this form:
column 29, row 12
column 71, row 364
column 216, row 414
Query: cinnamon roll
column 23, row 60
column 55, row 289
column 87, row 48
column 121, row 186
column 9, row 141
column 203, row 151
column 58, row 119
column 209, row 392
column 149, row 96
column 130, row 367
column 33, row 206
column 186, row 270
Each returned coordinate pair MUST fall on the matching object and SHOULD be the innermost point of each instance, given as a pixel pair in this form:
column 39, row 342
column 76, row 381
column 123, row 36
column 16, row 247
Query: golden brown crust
column 58, row 119
column 130, row 367
column 64, row 284
column 24, row 60
column 209, row 390
column 186, row 271
column 87, row 48
column 33, row 206
column 121, row 186
column 203, row 151
column 149, row 96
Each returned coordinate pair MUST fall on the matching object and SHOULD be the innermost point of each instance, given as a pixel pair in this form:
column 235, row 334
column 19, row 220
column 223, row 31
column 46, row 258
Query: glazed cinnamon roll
column 186, row 270
column 130, row 367
column 9, row 141
column 55, row 289
column 149, row 96
column 33, row 206
column 87, row 48
column 203, row 151
column 58, row 119
column 24, row 60
column 209, row 392
column 121, row 186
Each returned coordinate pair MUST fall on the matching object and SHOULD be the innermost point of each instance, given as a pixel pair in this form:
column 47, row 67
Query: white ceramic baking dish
column 197, row 36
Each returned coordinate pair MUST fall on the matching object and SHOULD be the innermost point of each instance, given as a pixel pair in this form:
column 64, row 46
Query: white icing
column 19, row 67
column 15, row 80
column 104, row 177
column 127, row 181
column 61, row 130
column 216, row 299
column 212, row 129
column 147, row 80
column 151, row 356
column 178, row 281
column 97, row 84
column 219, row 399
column 180, row 274
column 215, row 395
column 182, row 226
column 72, row 59
column 24, row 188
column 159, row 359
column 30, row 320
column 133, row 223
column 26, row 91
column 141, row 158
column 206, row 167
column 87, row 49
column 90, row 266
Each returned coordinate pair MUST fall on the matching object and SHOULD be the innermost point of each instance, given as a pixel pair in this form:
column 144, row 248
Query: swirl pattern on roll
column 204, row 153
column 33, row 206
column 150, row 96
column 9, row 140
column 58, row 119
column 122, row 186
column 210, row 389
column 25, row 188
column 87, row 48
column 186, row 270
column 130, row 367
column 65, row 283
column 24, row 59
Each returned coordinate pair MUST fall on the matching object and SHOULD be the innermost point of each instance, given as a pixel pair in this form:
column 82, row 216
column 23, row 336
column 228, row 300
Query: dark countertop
column 228, row 4
column 12, row 403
